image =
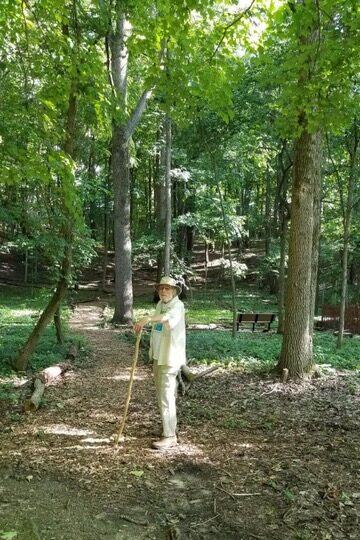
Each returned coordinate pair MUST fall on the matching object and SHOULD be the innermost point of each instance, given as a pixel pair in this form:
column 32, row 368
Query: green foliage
column 270, row 263
column 207, row 220
column 8, row 535
column 236, row 269
column 320, row 83
column 146, row 250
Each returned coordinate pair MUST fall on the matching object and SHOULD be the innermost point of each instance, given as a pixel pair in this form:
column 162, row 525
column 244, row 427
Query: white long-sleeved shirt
column 168, row 343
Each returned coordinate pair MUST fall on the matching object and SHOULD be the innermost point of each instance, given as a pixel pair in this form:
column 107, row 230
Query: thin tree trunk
column 26, row 265
column 161, row 199
column 228, row 242
column 58, row 326
column 47, row 315
column 282, row 271
column 284, row 217
column 122, row 233
column 347, row 218
column 167, row 248
column 268, row 214
column 106, row 229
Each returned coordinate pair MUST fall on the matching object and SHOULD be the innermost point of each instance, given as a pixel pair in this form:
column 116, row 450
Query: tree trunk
column 120, row 175
column 160, row 208
column 268, row 214
column 106, row 230
column 316, row 237
column 167, row 248
column 123, row 127
column 282, row 270
column 122, row 234
column 347, row 218
column 296, row 352
column 228, row 242
column 283, row 218
column 40, row 381
column 296, row 356
column 58, row 326
column 46, row 316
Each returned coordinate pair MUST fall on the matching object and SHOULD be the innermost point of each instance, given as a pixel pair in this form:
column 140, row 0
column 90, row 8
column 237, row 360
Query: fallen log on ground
column 40, row 380
column 185, row 377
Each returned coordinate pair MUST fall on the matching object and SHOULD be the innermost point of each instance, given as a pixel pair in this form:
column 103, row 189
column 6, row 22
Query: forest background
column 147, row 129
column 217, row 141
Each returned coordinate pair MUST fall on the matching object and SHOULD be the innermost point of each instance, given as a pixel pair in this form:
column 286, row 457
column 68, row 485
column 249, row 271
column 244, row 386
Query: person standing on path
column 167, row 352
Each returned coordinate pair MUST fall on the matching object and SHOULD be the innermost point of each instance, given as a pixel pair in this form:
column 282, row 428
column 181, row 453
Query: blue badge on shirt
column 158, row 327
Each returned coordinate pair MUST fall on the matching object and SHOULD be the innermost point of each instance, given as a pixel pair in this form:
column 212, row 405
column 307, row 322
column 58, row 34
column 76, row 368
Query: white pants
column 165, row 386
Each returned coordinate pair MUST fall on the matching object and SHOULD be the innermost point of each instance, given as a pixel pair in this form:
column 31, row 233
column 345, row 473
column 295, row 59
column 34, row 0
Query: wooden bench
column 256, row 318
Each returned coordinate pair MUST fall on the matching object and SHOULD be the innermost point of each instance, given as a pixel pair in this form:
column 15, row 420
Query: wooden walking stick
column 128, row 397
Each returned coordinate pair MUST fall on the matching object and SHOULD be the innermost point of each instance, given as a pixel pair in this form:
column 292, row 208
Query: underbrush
column 262, row 350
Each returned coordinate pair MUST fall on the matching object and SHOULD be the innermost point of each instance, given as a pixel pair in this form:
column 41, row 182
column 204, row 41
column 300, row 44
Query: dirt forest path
column 256, row 459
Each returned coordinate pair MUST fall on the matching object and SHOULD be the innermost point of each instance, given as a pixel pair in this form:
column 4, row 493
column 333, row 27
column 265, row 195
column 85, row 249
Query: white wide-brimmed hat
column 170, row 282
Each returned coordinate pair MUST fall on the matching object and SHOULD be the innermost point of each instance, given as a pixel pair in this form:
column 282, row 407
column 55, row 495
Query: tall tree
column 123, row 126
column 296, row 352
column 67, row 201
column 311, row 31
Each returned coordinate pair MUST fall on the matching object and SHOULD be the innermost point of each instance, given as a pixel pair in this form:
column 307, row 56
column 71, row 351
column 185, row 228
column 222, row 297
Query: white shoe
column 164, row 443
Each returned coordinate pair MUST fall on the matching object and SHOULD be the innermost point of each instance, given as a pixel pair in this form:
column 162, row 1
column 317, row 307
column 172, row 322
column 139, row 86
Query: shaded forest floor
column 256, row 459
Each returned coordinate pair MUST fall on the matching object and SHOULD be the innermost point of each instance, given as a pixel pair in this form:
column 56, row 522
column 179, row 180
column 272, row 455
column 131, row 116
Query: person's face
column 166, row 293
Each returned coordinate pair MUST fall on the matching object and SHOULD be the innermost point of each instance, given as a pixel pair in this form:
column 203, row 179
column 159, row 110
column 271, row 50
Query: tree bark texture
column 296, row 352
column 122, row 233
column 58, row 326
column 40, row 381
column 316, row 233
column 120, row 175
column 282, row 271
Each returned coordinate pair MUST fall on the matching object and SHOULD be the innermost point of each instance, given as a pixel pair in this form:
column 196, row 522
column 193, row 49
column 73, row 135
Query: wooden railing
column 331, row 314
